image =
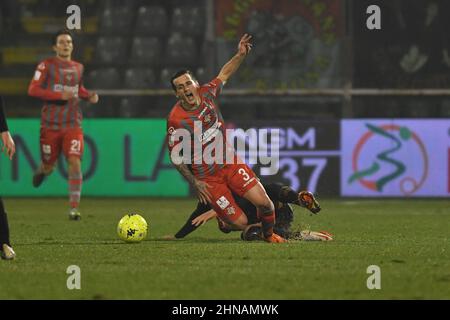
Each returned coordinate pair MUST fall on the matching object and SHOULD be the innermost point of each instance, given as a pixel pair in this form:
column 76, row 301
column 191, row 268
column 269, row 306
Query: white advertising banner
column 395, row 158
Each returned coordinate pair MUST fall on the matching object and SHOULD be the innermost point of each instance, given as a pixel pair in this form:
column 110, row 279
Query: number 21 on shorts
column 75, row 146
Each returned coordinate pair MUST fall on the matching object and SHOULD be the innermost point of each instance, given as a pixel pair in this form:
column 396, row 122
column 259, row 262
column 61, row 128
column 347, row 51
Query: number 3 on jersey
column 244, row 174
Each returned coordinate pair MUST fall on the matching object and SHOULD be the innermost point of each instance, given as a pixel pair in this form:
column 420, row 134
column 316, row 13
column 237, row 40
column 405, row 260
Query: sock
column 75, row 182
column 4, row 228
column 268, row 221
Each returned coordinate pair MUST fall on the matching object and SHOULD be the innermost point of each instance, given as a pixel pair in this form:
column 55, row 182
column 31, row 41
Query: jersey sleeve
column 172, row 126
column 83, row 93
column 214, row 87
column 36, row 88
column 188, row 226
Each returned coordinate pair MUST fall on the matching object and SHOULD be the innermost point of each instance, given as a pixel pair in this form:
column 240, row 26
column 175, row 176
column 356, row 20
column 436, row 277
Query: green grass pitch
column 408, row 239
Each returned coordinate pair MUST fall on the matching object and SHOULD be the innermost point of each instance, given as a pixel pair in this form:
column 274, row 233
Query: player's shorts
column 238, row 178
column 70, row 141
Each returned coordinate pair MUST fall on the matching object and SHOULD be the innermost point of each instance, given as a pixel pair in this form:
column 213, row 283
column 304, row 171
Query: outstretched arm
column 231, row 66
column 190, row 226
column 200, row 186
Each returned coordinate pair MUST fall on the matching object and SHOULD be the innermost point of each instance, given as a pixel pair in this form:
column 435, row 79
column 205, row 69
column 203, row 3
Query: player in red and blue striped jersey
column 58, row 82
column 197, row 114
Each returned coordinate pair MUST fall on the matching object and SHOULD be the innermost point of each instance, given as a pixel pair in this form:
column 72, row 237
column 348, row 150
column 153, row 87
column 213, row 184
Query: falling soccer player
column 58, row 82
column 282, row 197
column 215, row 182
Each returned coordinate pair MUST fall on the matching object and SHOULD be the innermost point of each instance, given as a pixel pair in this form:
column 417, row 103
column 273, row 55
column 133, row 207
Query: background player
column 6, row 251
column 58, row 81
column 215, row 182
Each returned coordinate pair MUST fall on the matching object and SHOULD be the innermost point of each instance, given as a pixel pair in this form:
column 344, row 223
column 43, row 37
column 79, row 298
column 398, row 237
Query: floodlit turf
column 408, row 239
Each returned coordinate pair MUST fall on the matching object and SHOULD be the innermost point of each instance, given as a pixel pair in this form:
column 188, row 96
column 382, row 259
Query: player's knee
column 266, row 207
column 47, row 168
column 240, row 223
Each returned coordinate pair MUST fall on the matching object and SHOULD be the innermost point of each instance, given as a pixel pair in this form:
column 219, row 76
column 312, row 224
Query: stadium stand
column 116, row 20
column 107, row 78
column 145, row 41
column 122, row 43
column 130, row 107
column 151, row 21
column 166, row 74
column 146, row 51
column 186, row 56
column 137, row 78
column 188, row 21
column 110, row 51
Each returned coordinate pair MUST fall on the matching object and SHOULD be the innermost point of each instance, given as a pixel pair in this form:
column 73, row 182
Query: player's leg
column 242, row 180
column 6, row 251
column 50, row 144
column 225, row 206
column 75, row 183
column 73, row 147
column 284, row 216
column 266, row 211
column 285, row 194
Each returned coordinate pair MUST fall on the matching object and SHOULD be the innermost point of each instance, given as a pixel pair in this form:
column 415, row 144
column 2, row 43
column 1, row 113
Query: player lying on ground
column 197, row 111
column 58, row 82
column 281, row 196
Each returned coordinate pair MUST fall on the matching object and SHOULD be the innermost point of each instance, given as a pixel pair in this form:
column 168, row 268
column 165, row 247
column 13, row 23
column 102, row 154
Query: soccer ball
column 132, row 228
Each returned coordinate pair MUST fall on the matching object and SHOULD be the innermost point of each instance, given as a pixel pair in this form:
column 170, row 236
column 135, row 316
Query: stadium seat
column 181, row 51
column 110, row 50
column 188, row 20
column 116, row 20
column 201, row 75
column 146, row 50
column 130, row 106
column 107, row 78
column 166, row 74
column 151, row 20
column 137, row 78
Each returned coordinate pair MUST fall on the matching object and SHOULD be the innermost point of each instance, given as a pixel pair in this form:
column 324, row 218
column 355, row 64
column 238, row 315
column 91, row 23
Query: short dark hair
column 59, row 33
column 180, row 73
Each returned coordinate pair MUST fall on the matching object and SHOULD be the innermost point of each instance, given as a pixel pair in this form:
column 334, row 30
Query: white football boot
column 307, row 235
column 7, row 252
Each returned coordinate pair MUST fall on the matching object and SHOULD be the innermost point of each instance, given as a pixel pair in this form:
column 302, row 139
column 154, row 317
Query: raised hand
column 244, row 45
